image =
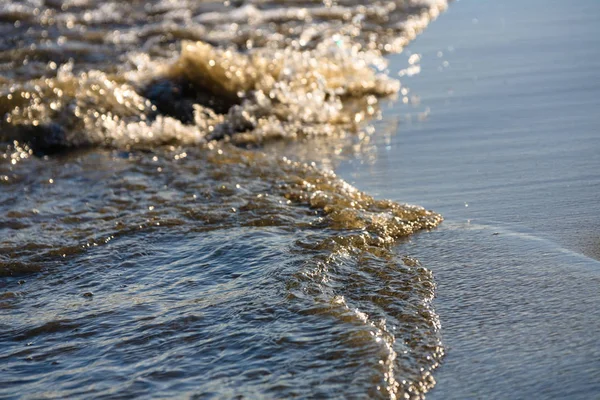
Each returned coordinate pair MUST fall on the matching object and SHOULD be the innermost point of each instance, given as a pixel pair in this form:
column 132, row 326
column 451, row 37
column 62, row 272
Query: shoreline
column 511, row 165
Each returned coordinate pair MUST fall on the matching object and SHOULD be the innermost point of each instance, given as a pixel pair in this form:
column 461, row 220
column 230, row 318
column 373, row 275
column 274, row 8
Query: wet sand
column 505, row 144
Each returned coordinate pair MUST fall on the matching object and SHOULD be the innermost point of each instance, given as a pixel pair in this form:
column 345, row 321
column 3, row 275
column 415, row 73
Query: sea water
column 152, row 247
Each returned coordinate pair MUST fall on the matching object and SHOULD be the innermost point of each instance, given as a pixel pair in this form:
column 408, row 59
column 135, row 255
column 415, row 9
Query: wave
column 324, row 75
column 180, row 93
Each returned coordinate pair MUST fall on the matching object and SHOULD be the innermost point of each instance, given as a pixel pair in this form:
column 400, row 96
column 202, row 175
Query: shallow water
column 508, row 153
column 151, row 247
column 223, row 272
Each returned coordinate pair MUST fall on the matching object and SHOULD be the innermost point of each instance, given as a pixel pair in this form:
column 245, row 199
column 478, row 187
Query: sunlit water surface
column 150, row 246
column 141, row 258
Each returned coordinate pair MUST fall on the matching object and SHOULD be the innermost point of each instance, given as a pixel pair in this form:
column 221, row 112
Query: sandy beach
column 505, row 143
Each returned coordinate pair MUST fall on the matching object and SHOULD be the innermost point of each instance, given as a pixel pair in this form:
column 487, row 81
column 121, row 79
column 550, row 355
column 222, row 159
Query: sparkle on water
column 165, row 253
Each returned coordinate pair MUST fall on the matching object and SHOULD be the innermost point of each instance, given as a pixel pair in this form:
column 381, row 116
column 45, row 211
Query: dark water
column 151, row 246
column 509, row 153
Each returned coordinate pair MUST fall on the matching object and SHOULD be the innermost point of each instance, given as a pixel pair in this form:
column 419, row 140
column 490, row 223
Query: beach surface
column 503, row 139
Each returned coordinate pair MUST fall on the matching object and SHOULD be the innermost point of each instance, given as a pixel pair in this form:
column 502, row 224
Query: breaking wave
column 164, row 106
